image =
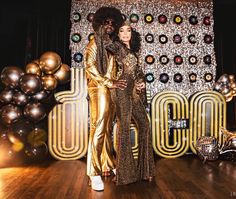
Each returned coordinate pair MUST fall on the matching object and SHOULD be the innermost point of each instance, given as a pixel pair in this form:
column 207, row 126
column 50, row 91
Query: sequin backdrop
column 177, row 35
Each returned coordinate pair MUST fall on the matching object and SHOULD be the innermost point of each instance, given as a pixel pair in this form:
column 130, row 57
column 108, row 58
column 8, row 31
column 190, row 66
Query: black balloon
column 40, row 95
column 21, row 129
column 36, row 154
column 11, row 75
column 10, row 114
column 34, row 111
column 6, row 96
column 20, row 98
column 30, row 84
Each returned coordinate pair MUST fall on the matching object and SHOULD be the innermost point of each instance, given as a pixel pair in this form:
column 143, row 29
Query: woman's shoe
column 97, row 183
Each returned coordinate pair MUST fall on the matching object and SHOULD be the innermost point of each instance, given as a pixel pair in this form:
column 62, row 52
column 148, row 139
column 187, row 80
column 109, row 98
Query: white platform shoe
column 97, row 183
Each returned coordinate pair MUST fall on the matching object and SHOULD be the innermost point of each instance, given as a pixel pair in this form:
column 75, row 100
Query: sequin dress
column 129, row 105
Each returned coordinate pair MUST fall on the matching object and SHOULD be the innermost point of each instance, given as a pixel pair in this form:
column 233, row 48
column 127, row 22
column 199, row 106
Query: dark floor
column 180, row 178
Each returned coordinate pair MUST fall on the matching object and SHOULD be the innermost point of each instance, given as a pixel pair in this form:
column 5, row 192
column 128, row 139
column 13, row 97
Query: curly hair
column 135, row 42
column 104, row 13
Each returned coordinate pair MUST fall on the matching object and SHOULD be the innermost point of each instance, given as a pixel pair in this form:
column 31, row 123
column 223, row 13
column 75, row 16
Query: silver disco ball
column 207, row 148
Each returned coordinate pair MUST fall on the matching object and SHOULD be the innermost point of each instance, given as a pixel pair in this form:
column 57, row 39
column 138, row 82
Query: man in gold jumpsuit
column 101, row 76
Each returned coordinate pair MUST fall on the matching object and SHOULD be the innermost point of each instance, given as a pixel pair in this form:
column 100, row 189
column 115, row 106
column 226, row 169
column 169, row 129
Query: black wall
column 31, row 27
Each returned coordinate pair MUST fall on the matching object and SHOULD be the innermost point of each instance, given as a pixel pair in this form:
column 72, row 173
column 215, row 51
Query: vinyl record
column 178, row 19
column 192, row 39
column 207, row 59
column 208, row 77
column 206, row 21
column 192, row 77
column 193, row 20
column 178, row 59
column 178, row 78
column 148, row 18
column 149, row 59
column 177, row 39
column 149, row 77
column 163, row 39
column 162, row 19
column 149, row 38
column 78, row 57
column 164, row 77
column 124, row 17
column 91, row 35
column 76, row 37
column 164, row 59
column 207, row 39
column 134, row 18
column 90, row 17
column 192, row 59
column 76, row 17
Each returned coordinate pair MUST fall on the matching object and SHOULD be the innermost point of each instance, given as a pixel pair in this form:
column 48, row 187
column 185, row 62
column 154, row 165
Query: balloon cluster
column 24, row 102
column 226, row 85
column 228, row 150
column 207, row 147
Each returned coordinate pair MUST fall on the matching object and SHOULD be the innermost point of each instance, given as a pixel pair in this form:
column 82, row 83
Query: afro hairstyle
column 104, row 13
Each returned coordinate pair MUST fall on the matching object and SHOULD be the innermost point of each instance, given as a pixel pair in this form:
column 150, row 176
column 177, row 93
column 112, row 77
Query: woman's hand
column 120, row 84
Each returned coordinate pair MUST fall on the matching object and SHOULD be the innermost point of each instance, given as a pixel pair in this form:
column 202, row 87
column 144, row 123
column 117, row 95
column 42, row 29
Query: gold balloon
column 228, row 94
column 17, row 146
column 234, row 92
column 233, row 85
column 63, row 74
column 37, row 137
column 36, row 61
column 231, row 78
column 49, row 62
column 33, row 68
column 229, row 98
column 230, row 140
column 49, row 82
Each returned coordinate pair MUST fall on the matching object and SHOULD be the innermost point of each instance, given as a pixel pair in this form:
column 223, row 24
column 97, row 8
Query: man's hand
column 140, row 87
column 120, row 84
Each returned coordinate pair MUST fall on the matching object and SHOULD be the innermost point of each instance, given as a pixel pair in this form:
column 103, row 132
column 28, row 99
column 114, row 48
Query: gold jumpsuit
column 129, row 105
column 100, row 155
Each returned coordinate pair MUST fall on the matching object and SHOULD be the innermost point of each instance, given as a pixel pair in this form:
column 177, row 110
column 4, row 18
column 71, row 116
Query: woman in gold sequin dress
column 129, row 105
